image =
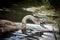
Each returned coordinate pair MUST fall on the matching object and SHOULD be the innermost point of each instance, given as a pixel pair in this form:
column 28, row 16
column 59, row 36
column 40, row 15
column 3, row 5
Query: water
column 36, row 33
column 17, row 36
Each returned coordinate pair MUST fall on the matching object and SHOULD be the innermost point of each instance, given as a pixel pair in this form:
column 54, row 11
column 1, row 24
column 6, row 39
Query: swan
column 7, row 25
column 24, row 21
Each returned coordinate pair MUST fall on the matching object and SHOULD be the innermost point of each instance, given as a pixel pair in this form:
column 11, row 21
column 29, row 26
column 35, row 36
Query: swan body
column 24, row 20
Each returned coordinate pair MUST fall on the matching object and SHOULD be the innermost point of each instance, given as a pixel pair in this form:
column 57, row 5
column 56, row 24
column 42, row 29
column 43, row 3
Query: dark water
column 13, row 36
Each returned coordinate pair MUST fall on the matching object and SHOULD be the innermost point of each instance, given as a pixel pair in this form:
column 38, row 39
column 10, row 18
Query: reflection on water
column 34, row 34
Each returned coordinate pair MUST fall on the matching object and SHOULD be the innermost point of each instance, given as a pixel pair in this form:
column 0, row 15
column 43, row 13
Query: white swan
column 24, row 20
